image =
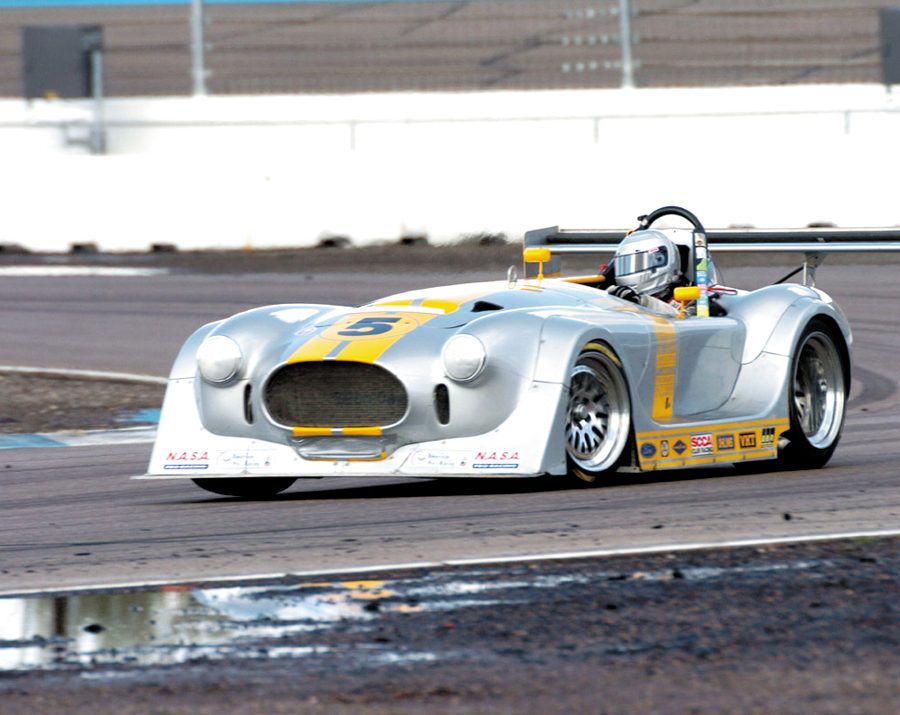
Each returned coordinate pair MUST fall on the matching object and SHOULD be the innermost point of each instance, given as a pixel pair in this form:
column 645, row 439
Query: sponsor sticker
column 186, row 459
column 186, row 456
column 724, row 442
column 679, row 447
column 496, row 459
column 440, row 459
column 664, row 448
column 496, row 456
column 768, row 437
column 701, row 444
column 747, row 440
column 248, row 459
column 648, row 450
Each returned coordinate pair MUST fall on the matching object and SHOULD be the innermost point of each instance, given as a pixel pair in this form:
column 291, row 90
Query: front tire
column 817, row 398
column 598, row 415
column 257, row 487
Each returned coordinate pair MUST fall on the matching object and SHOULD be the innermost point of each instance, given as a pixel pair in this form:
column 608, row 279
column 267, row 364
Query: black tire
column 256, row 487
column 817, row 397
column 598, row 415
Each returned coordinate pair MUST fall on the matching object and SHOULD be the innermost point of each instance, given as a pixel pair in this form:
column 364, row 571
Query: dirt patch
column 47, row 404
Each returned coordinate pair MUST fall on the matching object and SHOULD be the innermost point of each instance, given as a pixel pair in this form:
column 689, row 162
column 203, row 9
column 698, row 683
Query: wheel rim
column 819, row 390
column 598, row 413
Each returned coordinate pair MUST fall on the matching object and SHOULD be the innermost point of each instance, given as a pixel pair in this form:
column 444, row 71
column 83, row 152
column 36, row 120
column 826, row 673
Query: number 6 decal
column 371, row 325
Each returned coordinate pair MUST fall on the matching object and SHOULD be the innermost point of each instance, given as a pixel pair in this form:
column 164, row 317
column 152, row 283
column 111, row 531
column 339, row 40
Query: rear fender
column 775, row 315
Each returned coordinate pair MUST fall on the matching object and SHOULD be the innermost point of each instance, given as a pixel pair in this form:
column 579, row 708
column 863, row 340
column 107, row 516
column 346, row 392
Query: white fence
column 288, row 170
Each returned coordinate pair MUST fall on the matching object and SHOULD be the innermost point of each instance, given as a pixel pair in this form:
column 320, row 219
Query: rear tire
column 817, row 398
column 257, row 487
column 598, row 415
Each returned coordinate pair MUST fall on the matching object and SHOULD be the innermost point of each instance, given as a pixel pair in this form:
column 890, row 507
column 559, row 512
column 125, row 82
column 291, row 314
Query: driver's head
column 648, row 262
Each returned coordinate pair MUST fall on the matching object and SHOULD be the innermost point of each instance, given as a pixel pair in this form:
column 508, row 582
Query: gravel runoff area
column 804, row 628
column 34, row 404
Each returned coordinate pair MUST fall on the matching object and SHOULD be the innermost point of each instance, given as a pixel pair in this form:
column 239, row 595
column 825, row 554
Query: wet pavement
column 810, row 611
column 178, row 624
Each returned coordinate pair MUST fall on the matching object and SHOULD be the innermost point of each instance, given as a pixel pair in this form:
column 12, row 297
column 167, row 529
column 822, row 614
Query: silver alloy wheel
column 598, row 415
column 819, row 394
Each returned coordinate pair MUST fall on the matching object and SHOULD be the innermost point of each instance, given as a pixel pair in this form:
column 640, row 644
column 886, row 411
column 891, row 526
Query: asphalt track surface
column 71, row 517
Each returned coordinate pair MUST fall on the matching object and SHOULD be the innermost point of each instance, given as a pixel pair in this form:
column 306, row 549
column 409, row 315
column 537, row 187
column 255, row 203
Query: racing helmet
column 647, row 261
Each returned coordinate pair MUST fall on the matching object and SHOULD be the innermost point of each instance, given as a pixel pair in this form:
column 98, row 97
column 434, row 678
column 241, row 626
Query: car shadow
column 499, row 486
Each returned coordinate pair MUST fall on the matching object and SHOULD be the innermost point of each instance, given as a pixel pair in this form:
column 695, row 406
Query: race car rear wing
column 813, row 243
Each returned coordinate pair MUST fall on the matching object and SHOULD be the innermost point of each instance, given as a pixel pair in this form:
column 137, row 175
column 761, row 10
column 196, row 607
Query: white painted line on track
column 78, row 271
column 487, row 561
column 79, row 438
column 85, row 374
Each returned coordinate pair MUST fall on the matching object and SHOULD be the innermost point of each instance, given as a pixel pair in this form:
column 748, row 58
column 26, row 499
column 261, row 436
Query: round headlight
column 463, row 357
column 219, row 358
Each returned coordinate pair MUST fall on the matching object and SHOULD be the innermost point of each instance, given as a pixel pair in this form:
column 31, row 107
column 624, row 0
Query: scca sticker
column 701, row 444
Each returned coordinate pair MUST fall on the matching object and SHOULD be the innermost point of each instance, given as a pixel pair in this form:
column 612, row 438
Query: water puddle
column 181, row 624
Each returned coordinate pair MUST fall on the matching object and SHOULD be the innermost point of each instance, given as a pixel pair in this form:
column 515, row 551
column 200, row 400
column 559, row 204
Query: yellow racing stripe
column 360, row 337
column 666, row 363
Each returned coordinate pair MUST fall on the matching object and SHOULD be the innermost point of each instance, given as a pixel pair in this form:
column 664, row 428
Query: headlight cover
column 464, row 357
column 218, row 358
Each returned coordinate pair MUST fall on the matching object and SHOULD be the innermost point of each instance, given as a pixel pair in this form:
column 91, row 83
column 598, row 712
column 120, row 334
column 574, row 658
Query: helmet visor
column 642, row 261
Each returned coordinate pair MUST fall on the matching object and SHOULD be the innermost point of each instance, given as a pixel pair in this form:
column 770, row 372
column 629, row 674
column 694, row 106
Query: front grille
column 335, row 394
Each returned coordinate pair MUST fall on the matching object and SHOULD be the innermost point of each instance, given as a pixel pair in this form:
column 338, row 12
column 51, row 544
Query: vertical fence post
column 198, row 69
column 98, row 127
column 625, row 42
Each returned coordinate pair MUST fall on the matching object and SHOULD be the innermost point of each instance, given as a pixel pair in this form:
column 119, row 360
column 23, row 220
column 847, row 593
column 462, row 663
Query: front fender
column 563, row 337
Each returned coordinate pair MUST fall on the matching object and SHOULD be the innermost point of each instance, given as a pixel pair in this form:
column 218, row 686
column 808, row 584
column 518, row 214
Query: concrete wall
column 287, row 170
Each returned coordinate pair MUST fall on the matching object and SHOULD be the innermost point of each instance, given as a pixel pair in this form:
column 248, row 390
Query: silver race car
column 540, row 375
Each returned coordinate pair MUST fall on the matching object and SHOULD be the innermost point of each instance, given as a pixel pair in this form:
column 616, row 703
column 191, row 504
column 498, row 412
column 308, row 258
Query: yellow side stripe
column 666, row 363
column 712, row 428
